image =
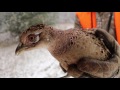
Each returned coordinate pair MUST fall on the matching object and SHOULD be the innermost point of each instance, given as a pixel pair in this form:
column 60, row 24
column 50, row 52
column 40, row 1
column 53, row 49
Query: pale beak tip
column 16, row 53
column 18, row 49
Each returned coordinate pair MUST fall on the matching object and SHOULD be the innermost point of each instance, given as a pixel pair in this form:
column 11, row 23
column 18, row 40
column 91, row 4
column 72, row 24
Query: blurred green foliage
column 19, row 21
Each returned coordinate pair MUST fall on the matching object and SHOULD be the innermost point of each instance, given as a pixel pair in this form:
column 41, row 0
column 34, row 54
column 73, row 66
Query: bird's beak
column 19, row 49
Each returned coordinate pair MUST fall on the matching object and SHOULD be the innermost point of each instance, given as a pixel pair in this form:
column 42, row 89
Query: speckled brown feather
column 69, row 46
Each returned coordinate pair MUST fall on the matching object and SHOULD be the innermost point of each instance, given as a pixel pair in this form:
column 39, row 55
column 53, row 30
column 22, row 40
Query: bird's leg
column 63, row 69
column 67, row 75
column 72, row 71
column 101, row 69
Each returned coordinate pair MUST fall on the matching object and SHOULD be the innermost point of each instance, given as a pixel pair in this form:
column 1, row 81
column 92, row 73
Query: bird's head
column 31, row 38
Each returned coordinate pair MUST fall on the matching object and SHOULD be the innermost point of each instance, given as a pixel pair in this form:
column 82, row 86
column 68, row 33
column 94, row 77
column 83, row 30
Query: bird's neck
column 52, row 34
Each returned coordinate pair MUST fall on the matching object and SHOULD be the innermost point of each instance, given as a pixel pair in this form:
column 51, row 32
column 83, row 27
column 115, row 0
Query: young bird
column 78, row 51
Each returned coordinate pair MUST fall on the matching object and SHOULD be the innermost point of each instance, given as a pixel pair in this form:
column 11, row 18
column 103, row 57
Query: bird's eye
column 32, row 38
